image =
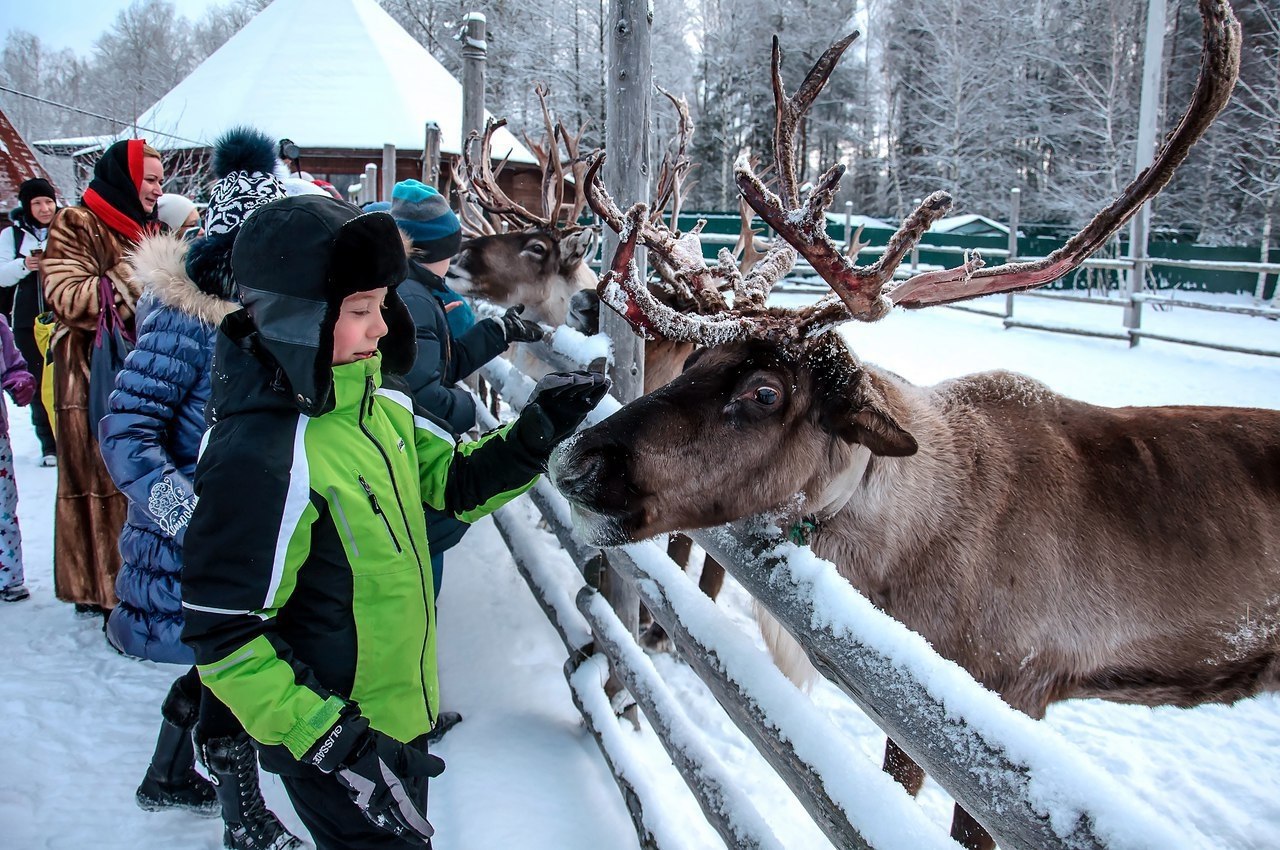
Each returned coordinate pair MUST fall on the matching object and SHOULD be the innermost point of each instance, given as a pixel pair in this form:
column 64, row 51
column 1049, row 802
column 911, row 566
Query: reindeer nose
column 576, row 473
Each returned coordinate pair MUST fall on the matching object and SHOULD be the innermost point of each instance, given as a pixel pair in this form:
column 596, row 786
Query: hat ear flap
column 400, row 346
column 367, row 253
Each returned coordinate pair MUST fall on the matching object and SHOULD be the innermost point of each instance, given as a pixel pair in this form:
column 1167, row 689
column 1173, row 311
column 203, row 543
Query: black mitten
column 516, row 329
column 558, row 404
column 382, row 775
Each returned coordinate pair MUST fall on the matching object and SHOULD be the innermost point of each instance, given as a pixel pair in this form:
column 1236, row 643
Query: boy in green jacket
column 306, row 583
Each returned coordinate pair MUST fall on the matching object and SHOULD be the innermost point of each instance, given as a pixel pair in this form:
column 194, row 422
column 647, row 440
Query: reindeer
column 1054, row 549
column 539, row 260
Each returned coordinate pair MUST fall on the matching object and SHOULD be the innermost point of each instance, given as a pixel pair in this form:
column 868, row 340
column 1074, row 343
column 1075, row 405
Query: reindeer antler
column 692, row 307
column 863, row 289
column 1219, row 68
column 481, row 178
column 482, row 181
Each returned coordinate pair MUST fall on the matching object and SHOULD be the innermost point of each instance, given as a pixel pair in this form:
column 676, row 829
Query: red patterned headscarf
column 113, row 193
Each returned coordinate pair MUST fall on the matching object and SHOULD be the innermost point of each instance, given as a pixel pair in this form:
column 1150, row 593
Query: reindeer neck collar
column 804, row 529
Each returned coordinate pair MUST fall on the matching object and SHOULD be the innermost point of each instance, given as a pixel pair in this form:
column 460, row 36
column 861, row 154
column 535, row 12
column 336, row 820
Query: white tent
column 333, row 74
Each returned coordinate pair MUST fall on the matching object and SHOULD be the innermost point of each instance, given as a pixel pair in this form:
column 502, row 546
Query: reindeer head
column 779, row 406
column 515, row 255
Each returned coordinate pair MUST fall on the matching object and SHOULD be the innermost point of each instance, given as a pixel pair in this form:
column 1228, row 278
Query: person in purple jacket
column 21, row 385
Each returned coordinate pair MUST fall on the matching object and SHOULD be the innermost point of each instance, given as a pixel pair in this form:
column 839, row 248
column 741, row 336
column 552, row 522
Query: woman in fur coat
column 87, row 243
column 150, row 440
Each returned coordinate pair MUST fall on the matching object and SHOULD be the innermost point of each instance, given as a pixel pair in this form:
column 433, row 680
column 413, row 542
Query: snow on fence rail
column 1021, row 780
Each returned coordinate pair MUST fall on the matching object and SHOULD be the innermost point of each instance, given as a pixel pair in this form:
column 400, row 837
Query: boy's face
column 360, row 326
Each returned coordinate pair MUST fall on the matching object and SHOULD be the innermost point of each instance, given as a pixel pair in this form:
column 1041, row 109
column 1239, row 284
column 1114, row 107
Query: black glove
column 516, row 329
column 584, row 312
column 558, row 404
column 383, row 776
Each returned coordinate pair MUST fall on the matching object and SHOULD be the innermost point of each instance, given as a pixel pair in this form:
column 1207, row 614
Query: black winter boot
column 250, row 825
column 171, row 781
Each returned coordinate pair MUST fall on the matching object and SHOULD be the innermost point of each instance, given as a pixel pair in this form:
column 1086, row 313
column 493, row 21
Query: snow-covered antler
column 688, row 304
column 480, row 178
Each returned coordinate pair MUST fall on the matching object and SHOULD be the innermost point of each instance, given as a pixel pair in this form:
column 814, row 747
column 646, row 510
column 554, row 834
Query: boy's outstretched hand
column 558, row 404
column 382, row 775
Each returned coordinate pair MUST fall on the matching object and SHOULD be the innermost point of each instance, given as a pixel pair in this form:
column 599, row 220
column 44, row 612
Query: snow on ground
column 80, row 720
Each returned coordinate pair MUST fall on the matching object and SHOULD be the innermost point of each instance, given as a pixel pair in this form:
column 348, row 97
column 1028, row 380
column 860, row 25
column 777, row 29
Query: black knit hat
column 36, row 187
column 294, row 261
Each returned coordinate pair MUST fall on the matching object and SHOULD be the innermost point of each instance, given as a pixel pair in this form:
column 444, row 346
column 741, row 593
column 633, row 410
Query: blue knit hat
column 424, row 214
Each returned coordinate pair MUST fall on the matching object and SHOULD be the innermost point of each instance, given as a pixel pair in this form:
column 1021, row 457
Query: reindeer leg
column 902, row 768
column 678, row 548
column 712, row 578
column 655, row 637
column 969, row 833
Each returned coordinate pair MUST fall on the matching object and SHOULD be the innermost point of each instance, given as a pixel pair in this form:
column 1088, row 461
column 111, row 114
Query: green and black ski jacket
column 307, row 580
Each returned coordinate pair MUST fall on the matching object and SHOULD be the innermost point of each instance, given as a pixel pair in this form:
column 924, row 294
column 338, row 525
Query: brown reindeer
column 516, row 255
column 1054, row 549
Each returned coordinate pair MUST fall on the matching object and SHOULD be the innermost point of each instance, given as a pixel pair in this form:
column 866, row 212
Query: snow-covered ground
column 79, row 720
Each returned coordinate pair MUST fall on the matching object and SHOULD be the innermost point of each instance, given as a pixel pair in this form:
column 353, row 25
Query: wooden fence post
column 431, row 155
column 370, row 192
column 388, row 170
column 1015, row 198
column 626, row 173
column 475, row 50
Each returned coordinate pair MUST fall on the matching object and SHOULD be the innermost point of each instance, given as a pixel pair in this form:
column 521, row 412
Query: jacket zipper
column 391, row 475
column 377, row 509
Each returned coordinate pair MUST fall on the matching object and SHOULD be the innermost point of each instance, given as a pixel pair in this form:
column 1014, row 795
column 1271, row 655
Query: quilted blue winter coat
column 150, row 441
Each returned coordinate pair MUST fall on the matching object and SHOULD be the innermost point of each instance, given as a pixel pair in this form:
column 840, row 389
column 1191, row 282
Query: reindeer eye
column 766, row 395
column 537, row 249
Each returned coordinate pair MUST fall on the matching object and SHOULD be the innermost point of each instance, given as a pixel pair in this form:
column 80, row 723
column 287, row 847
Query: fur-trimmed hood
column 159, row 266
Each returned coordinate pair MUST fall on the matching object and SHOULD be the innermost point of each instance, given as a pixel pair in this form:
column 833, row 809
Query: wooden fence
column 1023, row 782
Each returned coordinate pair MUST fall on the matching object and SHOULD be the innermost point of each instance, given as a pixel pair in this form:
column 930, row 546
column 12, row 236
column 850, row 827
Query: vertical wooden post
column 848, row 224
column 1144, row 153
column 475, row 51
column 1015, row 199
column 370, row 192
column 628, row 99
column 388, row 170
column 915, row 249
column 1265, row 256
column 431, row 154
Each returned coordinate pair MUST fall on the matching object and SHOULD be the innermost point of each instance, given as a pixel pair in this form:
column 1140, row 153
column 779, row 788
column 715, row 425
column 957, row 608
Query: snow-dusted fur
column 160, row 266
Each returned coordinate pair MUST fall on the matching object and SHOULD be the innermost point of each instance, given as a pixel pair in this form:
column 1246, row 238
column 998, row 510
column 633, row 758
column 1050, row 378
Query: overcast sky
column 76, row 23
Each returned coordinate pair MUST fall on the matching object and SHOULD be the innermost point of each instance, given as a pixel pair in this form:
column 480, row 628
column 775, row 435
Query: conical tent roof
column 324, row 73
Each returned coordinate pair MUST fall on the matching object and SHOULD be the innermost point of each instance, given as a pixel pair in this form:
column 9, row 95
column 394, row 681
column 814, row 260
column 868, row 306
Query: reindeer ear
column 875, row 420
column 575, row 247
column 858, row 404
column 881, row 434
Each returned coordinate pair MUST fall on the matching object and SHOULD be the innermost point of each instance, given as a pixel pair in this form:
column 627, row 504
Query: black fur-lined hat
column 295, row 260
column 244, row 161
